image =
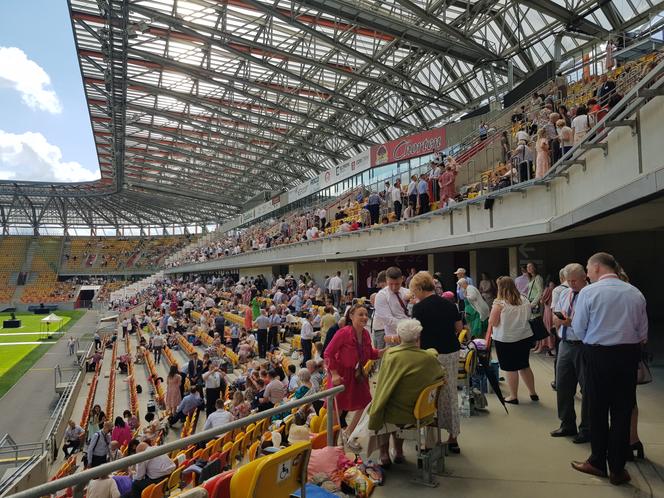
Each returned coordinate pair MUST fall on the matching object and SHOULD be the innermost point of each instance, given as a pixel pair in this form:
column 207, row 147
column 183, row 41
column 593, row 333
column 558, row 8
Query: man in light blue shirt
column 189, row 404
column 423, row 193
column 610, row 318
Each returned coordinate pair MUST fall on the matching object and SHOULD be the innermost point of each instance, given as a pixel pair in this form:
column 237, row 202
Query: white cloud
column 30, row 156
column 29, row 79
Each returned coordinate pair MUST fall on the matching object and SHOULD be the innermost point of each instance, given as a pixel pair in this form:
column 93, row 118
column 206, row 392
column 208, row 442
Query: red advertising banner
column 418, row 144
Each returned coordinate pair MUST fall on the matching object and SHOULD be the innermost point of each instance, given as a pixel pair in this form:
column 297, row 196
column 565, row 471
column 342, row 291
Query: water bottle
column 464, row 410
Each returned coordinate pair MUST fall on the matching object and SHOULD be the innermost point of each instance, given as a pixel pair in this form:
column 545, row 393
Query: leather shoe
column 560, row 432
column 581, row 438
column 620, row 478
column 587, row 468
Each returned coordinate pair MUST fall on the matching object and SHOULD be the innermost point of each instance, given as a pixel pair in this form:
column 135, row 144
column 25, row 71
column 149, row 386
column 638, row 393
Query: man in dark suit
column 195, row 370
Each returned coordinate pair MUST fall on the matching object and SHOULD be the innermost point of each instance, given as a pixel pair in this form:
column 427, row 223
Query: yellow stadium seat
column 234, row 454
column 431, row 460
column 314, row 424
column 274, row 476
column 174, row 479
column 246, row 441
column 253, row 450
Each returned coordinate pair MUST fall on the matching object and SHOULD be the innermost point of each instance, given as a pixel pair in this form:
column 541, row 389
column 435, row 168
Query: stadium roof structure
column 197, row 105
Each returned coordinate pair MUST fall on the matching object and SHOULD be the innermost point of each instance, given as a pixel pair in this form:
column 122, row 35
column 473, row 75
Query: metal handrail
column 83, row 477
column 10, row 479
column 56, row 415
column 627, row 105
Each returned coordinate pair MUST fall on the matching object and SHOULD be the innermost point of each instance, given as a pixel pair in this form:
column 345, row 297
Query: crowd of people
column 542, row 130
column 265, row 342
column 409, row 328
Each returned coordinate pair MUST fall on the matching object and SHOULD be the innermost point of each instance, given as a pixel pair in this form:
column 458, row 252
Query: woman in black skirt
column 511, row 333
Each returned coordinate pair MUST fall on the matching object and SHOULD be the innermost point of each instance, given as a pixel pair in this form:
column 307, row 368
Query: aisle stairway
column 30, row 254
column 25, row 268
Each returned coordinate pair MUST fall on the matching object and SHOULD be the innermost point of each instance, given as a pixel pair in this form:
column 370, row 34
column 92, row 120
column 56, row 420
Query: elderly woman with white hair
column 476, row 309
column 405, row 370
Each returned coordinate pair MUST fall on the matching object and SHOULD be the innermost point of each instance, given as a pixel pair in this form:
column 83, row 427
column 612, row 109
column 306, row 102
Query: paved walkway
column 25, row 409
column 514, row 456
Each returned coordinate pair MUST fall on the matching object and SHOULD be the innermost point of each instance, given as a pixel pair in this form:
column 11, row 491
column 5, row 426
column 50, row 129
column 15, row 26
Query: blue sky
column 45, row 131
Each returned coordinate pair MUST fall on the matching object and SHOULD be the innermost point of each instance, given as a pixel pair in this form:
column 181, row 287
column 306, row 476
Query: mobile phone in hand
column 560, row 315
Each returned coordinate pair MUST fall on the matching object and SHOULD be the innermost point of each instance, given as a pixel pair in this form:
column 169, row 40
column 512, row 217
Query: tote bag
column 537, row 325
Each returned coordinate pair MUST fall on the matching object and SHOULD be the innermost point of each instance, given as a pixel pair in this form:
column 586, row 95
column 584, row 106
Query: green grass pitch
column 15, row 360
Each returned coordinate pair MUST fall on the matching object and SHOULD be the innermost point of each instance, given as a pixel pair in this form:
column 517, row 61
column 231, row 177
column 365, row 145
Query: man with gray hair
column 555, row 297
column 612, row 321
column 151, row 471
column 569, row 365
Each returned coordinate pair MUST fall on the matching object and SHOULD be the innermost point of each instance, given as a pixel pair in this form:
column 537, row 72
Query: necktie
column 570, row 308
column 403, row 305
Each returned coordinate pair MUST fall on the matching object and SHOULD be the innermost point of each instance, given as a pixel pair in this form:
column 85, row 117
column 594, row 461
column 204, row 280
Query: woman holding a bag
column 534, row 295
column 509, row 326
column 345, row 357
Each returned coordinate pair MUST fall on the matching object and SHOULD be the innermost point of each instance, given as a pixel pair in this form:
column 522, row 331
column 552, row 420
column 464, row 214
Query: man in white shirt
column 555, row 296
column 391, row 304
column 73, row 436
column 395, row 197
column 522, row 137
column 412, row 191
column 158, row 343
column 434, row 176
column 322, row 216
column 307, row 336
column 335, row 286
column 187, row 306
column 218, row 417
column 214, row 386
column 150, row 472
column 281, row 282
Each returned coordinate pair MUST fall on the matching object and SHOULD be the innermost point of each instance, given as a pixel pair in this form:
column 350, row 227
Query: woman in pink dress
column 348, row 351
column 543, row 157
column 173, row 396
column 446, row 183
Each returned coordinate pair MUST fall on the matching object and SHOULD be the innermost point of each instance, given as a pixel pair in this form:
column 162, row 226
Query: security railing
column 79, row 480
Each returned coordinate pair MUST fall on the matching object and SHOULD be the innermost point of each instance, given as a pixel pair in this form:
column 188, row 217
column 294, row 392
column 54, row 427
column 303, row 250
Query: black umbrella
column 484, row 359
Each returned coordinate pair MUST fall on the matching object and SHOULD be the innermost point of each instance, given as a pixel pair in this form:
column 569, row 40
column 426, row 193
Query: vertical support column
column 330, row 421
column 513, row 255
column 472, row 256
column 510, row 75
column 430, row 264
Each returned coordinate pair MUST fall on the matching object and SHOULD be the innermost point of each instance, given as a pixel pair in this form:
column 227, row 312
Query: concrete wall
column 319, row 270
column 266, row 271
column 37, row 474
